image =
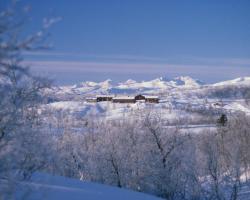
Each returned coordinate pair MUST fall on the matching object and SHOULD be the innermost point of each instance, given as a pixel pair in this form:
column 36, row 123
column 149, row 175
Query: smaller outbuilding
column 139, row 97
column 145, row 98
column 152, row 99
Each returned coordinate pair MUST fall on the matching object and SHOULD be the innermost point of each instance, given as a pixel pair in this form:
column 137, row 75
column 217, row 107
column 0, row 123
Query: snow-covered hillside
column 44, row 186
column 176, row 94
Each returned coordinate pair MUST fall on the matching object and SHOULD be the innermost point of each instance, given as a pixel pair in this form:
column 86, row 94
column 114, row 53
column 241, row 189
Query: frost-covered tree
column 21, row 140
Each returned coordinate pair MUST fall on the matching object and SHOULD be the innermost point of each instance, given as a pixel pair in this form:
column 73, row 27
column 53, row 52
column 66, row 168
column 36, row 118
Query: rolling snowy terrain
column 178, row 97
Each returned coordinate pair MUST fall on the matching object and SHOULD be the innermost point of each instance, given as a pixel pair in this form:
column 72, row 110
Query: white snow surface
column 45, row 186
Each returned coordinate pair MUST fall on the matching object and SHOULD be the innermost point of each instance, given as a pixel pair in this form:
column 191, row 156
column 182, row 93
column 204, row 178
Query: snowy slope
column 44, row 186
column 87, row 87
column 185, row 81
column 238, row 81
column 157, row 85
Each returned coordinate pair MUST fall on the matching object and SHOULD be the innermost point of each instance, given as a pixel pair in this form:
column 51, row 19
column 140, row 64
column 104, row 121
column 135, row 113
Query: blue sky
column 142, row 39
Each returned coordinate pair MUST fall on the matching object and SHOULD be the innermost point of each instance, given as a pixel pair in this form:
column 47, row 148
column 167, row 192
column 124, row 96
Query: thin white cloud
column 221, row 61
column 93, row 56
column 184, row 60
column 145, row 68
column 71, row 72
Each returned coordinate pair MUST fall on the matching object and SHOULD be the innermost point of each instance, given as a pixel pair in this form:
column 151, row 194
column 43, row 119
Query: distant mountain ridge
column 183, row 81
column 159, row 85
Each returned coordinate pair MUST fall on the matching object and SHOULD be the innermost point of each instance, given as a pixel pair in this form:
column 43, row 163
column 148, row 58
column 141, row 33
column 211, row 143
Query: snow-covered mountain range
column 129, row 86
column 156, row 86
